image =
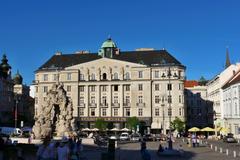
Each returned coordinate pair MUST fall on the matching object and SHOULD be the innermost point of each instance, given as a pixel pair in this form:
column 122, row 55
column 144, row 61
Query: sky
column 196, row 32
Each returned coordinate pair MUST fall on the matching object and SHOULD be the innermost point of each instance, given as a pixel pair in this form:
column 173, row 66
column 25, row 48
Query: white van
column 124, row 136
column 10, row 131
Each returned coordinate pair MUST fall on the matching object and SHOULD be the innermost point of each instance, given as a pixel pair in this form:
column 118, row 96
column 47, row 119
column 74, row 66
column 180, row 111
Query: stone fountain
column 55, row 115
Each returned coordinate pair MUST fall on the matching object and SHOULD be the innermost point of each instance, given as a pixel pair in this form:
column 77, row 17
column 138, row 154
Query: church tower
column 108, row 49
column 227, row 63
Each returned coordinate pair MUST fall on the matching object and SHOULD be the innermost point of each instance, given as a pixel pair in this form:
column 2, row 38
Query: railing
column 92, row 105
column 82, row 105
column 115, row 105
column 103, row 105
column 126, row 104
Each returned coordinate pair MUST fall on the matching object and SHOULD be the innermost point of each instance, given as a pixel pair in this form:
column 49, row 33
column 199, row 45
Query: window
column 92, row 77
column 115, row 76
column 140, row 87
column 180, row 86
column 55, row 77
column 81, row 100
column 169, row 99
column 156, row 74
column 104, row 88
column 115, row 88
column 156, row 87
column 92, row 99
column 104, row 111
column 69, row 76
column 140, row 99
column 163, row 99
column 104, row 100
column 80, row 111
column 104, row 76
column 36, row 89
column 81, row 88
column 92, row 112
column 127, row 99
column 68, row 88
column 36, row 100
column 140, row 74
column 127, row 87
column 140, row 112
column 45, row 77
column 156, row 111
column 45, row 89
column 180, row 99
column 127, row 112
column 92, row 88
column 115, row 99
column 180, row 111
column 157, row 99
column 81, row 77
column 127, row 76
column 115, row 112
column 169, row 87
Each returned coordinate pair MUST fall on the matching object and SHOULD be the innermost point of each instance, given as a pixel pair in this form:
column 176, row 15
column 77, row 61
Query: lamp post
column 169, row 108
column 16, row 110
column 163, row 116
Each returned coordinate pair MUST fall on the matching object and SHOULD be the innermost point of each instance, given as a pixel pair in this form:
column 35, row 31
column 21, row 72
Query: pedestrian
column 63, row 150
column 160, row 148
column 43, row 150
column 194, row 140
column 79, row 148
column 144, row 152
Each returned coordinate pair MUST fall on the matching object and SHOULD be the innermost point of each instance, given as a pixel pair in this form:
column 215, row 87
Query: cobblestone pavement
column 132, row 152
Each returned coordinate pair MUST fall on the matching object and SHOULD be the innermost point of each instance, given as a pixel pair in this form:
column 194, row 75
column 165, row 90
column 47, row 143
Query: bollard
column 221, row 150
column 227, row 152
column 234, row 154
column 211, row 146
column 216, row 148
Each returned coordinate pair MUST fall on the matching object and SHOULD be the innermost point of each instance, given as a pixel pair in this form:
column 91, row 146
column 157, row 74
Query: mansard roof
column 149, row 58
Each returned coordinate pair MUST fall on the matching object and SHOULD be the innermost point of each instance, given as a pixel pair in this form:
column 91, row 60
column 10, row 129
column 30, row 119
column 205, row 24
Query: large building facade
column 114, row 85
column 199, row 109
column 231, row 104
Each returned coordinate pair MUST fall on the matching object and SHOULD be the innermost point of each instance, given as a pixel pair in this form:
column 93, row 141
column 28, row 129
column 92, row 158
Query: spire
column 227, row 63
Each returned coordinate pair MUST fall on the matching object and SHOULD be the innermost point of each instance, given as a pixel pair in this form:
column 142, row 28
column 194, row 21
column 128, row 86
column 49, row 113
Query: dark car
column 148, row 137
column 229, row 138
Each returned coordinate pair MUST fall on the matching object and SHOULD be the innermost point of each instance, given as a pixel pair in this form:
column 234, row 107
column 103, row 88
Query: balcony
column 126, row 104
column 92, row 105
column 82, row 105
column 115, row 105
column 103, row 105
column 140, row 104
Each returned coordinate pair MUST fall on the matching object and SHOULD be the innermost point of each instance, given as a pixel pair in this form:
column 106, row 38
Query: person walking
column 63, row 151
column 43, row 152
column 144, row 152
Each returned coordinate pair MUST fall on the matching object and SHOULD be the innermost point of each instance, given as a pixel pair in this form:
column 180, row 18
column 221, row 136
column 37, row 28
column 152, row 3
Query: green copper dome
column 17, row 79
column 109, row 44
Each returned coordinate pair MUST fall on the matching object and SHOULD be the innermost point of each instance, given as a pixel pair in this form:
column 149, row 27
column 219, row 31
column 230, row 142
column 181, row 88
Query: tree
column 132, row 123
column 100, row 124
column 178, row 124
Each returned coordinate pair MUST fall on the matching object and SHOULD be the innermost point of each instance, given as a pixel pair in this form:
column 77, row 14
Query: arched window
column 104, row 76
column 92, row 77
column 115, row 76
column 127, row 76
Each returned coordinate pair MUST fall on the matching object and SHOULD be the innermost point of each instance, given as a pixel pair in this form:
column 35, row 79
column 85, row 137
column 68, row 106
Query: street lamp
column 169, row 108
column 17, row 99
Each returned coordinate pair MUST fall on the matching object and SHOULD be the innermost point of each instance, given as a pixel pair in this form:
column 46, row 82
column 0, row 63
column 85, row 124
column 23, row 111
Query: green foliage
column 100, row 124
column 178, row 124
column 132, row 123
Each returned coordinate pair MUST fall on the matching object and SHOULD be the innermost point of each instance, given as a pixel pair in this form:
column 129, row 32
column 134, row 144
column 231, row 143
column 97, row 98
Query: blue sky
column 196, row 32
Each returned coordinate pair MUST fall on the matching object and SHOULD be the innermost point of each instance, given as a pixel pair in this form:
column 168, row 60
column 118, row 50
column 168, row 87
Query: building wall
column 215, row 93
column 88, row 94
column 200, row 112
column 231, row 107
column 6, row 101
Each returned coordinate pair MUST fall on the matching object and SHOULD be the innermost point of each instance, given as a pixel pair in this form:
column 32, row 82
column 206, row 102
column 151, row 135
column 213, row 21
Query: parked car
column 124, row 136
column 148, row 137
column 135, row 137
column 11, row 131
column 229, row 138
column 115, row 137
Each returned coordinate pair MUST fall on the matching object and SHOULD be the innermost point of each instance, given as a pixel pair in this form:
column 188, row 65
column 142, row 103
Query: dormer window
column 104, row 76
column 92, row 77
column 115, row 76
column 127, row 76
